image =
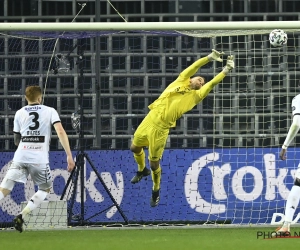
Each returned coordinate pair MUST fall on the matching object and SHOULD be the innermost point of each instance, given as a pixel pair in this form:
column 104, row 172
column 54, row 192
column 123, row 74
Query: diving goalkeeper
column 178, row 98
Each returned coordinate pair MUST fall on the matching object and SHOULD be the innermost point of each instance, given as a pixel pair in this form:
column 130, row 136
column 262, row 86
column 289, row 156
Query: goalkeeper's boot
column 139, row 175
column 18, row 223
column 154, row 199
column 281, row 232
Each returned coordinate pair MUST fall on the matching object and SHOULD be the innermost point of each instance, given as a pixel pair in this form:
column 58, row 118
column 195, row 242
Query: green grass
column 144, row 239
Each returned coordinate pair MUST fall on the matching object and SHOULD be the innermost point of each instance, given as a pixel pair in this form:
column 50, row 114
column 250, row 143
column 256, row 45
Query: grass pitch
column 147, row 239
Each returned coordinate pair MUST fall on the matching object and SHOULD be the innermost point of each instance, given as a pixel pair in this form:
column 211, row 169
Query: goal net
column 221, row 162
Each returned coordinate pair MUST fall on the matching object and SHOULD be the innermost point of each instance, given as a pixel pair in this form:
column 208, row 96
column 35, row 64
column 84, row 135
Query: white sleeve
column 294, row 128
column 296, row 105
column 54, row 116
column 16, row 128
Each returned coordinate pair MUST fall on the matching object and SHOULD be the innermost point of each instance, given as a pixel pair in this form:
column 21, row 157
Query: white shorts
column 40, row 173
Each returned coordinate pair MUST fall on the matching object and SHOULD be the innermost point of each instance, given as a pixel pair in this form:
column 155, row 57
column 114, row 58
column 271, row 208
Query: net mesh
column 235, row 32
column 220, row 163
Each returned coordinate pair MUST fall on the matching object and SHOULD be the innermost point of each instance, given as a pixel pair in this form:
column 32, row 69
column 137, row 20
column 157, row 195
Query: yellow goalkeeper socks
column 140, row 160
column 156, row 176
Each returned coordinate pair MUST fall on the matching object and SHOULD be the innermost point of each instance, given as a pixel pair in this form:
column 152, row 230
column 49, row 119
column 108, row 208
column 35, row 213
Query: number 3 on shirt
column 35, row 121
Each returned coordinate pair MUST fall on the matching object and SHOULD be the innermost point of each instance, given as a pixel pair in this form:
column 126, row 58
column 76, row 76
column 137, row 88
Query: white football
column 278, row 38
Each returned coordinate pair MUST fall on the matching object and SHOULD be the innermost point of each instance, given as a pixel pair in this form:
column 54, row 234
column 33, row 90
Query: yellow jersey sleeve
column 192, row 69
column 206, row 88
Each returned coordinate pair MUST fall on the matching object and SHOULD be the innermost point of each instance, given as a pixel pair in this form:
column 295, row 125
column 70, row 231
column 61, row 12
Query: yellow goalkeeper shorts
column 150, row 135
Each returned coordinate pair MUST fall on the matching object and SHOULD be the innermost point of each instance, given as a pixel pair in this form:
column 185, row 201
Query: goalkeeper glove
column 215, row 55
column 229, row 65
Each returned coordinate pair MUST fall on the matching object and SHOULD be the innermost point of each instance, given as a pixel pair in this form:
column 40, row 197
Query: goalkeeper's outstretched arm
column 192, row 69
column 204, row 91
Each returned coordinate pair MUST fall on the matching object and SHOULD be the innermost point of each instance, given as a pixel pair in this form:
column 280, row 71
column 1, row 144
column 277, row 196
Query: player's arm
column 64, row 140
column 204, row 90
column 16, row 129
column 192, row 69
column 17, row 138
column 293, row 130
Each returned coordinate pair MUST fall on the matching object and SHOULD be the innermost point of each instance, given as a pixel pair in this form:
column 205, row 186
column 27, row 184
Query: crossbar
column 97, row 26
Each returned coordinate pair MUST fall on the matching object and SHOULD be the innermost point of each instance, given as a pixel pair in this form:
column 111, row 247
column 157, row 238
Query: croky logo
column 116, row 187
column 228, row 183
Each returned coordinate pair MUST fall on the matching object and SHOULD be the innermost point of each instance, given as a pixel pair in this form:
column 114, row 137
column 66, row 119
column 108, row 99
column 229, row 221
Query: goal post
column 221, row 162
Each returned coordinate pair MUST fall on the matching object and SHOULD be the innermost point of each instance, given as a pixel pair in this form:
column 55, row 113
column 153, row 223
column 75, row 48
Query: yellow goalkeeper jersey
column 178, row 98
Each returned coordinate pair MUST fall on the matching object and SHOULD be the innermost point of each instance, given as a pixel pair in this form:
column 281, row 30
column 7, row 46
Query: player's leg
column 32, row 204
column 291, row 206
column 8, row 182
column 156, row 178
column 16, row 173
column 41, row 176
column 157, row 144
column 139, row 141
column 4, row 191
column 6, row 187
column 139, row 157
column 36, row 199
